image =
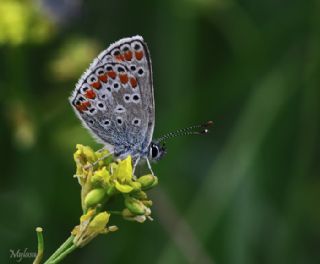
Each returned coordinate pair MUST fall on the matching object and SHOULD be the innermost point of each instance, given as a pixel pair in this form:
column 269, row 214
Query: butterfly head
column 156, row 151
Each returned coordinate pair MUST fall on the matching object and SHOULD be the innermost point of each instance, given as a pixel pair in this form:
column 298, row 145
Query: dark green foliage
column 246, row 193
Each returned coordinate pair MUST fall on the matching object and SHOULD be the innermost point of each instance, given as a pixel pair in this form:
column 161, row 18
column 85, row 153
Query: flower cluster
column 101, row 179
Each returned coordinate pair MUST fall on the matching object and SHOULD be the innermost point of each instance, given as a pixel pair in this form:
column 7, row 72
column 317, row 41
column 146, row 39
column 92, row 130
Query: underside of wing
column 114, row 97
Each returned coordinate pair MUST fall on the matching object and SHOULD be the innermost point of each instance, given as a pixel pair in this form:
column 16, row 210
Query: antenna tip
column 205, row 126
column 204, row 132
column 208, row 124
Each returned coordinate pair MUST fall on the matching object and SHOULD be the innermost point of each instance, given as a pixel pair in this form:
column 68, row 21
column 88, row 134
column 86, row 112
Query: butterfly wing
column 114, row 97
column 134, row 53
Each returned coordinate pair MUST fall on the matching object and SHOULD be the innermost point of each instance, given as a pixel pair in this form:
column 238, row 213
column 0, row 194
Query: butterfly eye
column 154, row 151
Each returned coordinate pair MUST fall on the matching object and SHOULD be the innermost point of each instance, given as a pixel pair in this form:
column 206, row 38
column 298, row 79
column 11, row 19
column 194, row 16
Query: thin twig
column 39, row 256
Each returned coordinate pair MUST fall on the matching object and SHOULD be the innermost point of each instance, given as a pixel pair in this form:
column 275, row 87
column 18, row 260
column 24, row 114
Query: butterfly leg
column 135, row 165
column 102, row 149
column 97, row 161
column 149, row 166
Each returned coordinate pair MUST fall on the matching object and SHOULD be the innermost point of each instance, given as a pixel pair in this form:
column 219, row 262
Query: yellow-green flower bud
column 123, row 188
column 87, row 216
column 146, row 180
column 84, row 153
column 147, row 203
column 100, row 177
column 140, row 195
column 99, row 222
column 124, row 170
column 135, row 206
column 136, row 185
column 126, row 213
column 111, row 190
column 155, row 183
column 95, row 197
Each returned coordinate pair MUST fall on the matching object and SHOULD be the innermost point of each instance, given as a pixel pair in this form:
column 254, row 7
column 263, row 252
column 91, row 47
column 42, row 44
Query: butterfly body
column 115, row 102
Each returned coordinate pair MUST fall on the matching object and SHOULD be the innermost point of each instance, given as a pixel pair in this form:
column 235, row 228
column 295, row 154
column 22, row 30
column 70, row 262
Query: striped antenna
column 200, row 130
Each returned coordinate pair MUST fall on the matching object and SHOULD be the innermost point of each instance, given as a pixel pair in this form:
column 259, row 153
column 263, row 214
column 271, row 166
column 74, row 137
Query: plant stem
column 64, row 254
column 40, row 246
column 61, row 250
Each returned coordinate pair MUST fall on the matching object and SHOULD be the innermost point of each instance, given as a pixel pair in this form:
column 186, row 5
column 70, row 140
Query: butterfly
column 114, row 99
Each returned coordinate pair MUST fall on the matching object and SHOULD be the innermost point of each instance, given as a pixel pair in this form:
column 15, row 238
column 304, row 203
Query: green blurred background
column 247, row 193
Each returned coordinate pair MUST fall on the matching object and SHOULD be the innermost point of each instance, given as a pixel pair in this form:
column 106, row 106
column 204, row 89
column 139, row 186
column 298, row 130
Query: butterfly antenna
column 201, row 130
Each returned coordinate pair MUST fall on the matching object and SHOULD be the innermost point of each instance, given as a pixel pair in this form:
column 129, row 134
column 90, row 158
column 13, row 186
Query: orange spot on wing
column 83, row 106
column 96, row 85
column 103, row 78
column 79, row 108
column 123, row 78
column 119, row 57
column 86, row 104
column 139, row 55
column 133, row 82
column 128, row 55
column 112, row 74
column 90, row 94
